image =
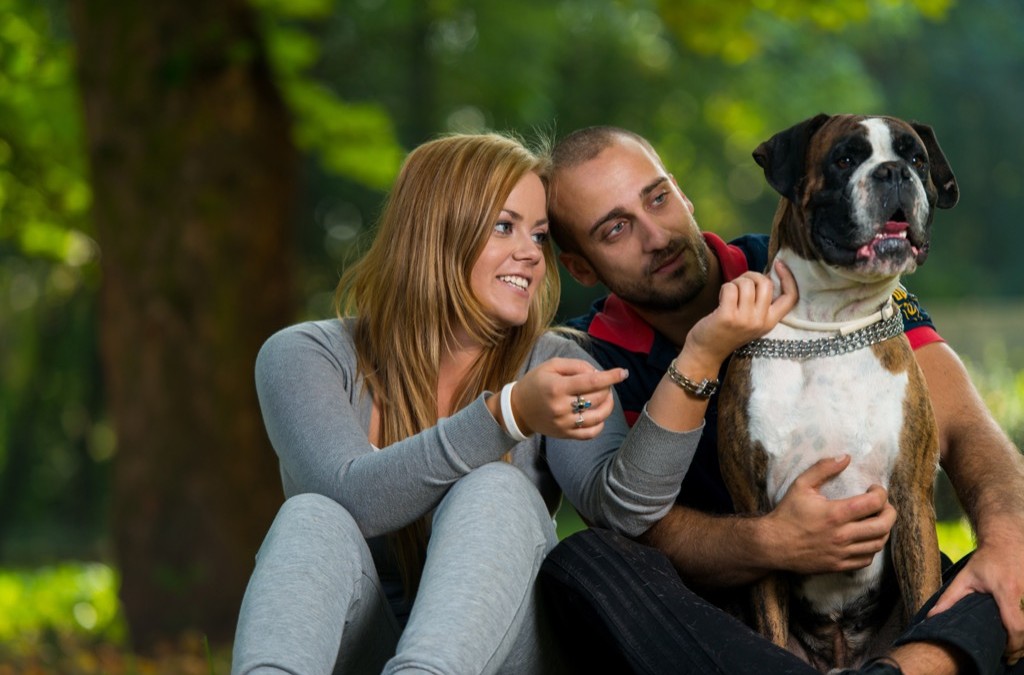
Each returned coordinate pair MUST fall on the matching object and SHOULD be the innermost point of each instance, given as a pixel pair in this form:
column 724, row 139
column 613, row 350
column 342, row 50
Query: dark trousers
column 620, row 607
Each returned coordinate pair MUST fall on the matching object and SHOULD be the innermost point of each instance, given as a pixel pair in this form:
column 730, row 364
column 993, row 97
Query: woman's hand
column 552, row 398
column 747, row 309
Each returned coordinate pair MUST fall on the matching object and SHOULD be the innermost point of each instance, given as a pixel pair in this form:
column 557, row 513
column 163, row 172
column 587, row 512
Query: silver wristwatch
column 704, row 389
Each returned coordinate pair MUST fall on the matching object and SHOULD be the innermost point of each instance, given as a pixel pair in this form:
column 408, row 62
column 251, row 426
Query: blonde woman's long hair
column 410, row 293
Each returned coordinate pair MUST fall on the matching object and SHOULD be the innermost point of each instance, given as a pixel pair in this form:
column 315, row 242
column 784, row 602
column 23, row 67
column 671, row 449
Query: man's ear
column 579, row 268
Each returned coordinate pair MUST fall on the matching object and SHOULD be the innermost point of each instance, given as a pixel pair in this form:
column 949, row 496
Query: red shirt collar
column 620, row 325
column 732, row 259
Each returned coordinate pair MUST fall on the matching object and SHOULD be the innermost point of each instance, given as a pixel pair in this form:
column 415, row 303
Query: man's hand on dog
column 813, row 534
column 995, row 568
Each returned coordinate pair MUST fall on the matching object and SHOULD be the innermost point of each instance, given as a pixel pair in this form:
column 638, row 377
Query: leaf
column 53, row 241
column 355, row 140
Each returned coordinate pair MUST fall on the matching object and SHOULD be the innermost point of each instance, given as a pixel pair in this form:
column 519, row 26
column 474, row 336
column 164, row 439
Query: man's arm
column 987, row 473
column 805, row 533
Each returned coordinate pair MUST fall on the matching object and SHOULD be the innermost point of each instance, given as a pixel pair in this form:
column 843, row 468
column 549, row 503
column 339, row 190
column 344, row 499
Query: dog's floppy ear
column 942, row 174
column 783, row 156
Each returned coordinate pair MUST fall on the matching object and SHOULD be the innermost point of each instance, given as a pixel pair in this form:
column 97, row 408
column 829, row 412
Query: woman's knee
column 314, row 521
column 506, row 483
column 503, row 494
column 311, row 505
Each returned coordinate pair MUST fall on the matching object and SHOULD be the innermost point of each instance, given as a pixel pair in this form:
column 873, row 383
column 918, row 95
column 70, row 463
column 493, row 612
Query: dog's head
column 858, row 192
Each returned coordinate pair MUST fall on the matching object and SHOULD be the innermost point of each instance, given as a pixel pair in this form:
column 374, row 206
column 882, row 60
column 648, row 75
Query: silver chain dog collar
column 831, row 346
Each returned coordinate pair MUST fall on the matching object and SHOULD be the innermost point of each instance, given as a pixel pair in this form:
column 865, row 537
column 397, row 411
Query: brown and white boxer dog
column 837, row 376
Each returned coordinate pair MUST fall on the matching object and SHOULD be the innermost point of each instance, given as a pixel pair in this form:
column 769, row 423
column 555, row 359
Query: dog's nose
column 891, row 172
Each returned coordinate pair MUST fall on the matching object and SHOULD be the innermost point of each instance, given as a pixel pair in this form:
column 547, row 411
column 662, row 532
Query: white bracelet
column 506, row 413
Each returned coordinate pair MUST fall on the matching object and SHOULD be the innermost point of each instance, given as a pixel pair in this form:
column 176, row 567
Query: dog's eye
column 918, row 161
column 844, row 162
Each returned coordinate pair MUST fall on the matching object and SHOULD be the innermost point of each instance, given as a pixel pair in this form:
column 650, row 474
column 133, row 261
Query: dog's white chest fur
column 804, row 411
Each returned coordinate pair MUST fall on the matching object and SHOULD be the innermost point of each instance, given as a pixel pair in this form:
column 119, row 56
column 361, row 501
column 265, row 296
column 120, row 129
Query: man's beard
column 686, row 282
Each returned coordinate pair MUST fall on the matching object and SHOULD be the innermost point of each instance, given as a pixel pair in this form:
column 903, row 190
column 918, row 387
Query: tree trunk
column 193, row 173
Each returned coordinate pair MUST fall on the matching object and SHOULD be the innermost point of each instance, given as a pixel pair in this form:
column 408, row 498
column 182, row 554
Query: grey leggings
column 314, row 603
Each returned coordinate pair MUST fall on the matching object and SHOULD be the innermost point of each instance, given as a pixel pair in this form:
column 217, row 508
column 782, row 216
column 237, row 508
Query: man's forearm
column 987, row 473
column 709, row 550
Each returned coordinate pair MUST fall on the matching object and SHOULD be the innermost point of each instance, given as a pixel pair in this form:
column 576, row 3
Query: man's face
column 633, row 226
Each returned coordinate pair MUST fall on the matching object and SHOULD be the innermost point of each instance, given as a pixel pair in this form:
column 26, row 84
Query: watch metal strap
column 704, row 389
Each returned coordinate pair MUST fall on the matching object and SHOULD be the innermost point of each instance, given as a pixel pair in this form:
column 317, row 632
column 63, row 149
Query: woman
column 420, row 498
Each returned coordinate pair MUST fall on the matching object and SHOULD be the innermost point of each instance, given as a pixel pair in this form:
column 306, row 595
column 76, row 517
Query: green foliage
column 705, row 81
column 352, row 140
column 295, row 9
column 66, row 619
column 67, row 598
column 49, row 398
column 43, row 186
column 733, row 31
column 1002, row 388
column 567, row 520
column 955, row 538
column 766, row 66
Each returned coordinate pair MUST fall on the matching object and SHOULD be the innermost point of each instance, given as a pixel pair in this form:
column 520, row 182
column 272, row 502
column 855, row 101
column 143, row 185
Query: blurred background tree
column 192, row 168
column 179, row 179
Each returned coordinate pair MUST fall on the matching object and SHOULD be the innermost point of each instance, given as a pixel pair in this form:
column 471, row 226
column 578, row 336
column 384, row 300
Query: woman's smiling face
column 511, row 265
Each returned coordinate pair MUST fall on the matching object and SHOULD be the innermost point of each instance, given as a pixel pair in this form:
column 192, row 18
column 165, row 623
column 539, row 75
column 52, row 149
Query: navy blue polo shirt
column 621, row 339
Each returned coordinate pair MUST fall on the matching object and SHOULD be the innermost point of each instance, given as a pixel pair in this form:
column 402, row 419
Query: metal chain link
column 800, row 350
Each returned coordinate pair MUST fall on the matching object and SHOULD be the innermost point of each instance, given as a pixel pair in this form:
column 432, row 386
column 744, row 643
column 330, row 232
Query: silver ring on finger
column 579, row 404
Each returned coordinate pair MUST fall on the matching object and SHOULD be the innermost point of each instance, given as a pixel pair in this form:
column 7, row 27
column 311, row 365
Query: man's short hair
column 578, row 147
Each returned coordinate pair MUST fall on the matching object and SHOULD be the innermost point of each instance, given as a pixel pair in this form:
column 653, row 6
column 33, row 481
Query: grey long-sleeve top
column 317, row 413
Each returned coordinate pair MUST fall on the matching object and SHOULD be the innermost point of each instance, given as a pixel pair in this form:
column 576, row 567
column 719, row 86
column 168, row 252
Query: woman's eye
column 503, row 227
column 540, row 238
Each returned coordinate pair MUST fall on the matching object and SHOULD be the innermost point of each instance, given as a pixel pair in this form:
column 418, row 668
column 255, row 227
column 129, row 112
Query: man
column 621, row 219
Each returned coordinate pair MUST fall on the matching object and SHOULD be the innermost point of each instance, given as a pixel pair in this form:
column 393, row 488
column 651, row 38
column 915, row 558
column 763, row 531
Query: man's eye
column 659, row 198
column 615, row 230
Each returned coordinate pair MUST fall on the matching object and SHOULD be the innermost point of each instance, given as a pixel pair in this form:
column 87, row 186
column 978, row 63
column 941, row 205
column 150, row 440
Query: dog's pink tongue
column 895, row 226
